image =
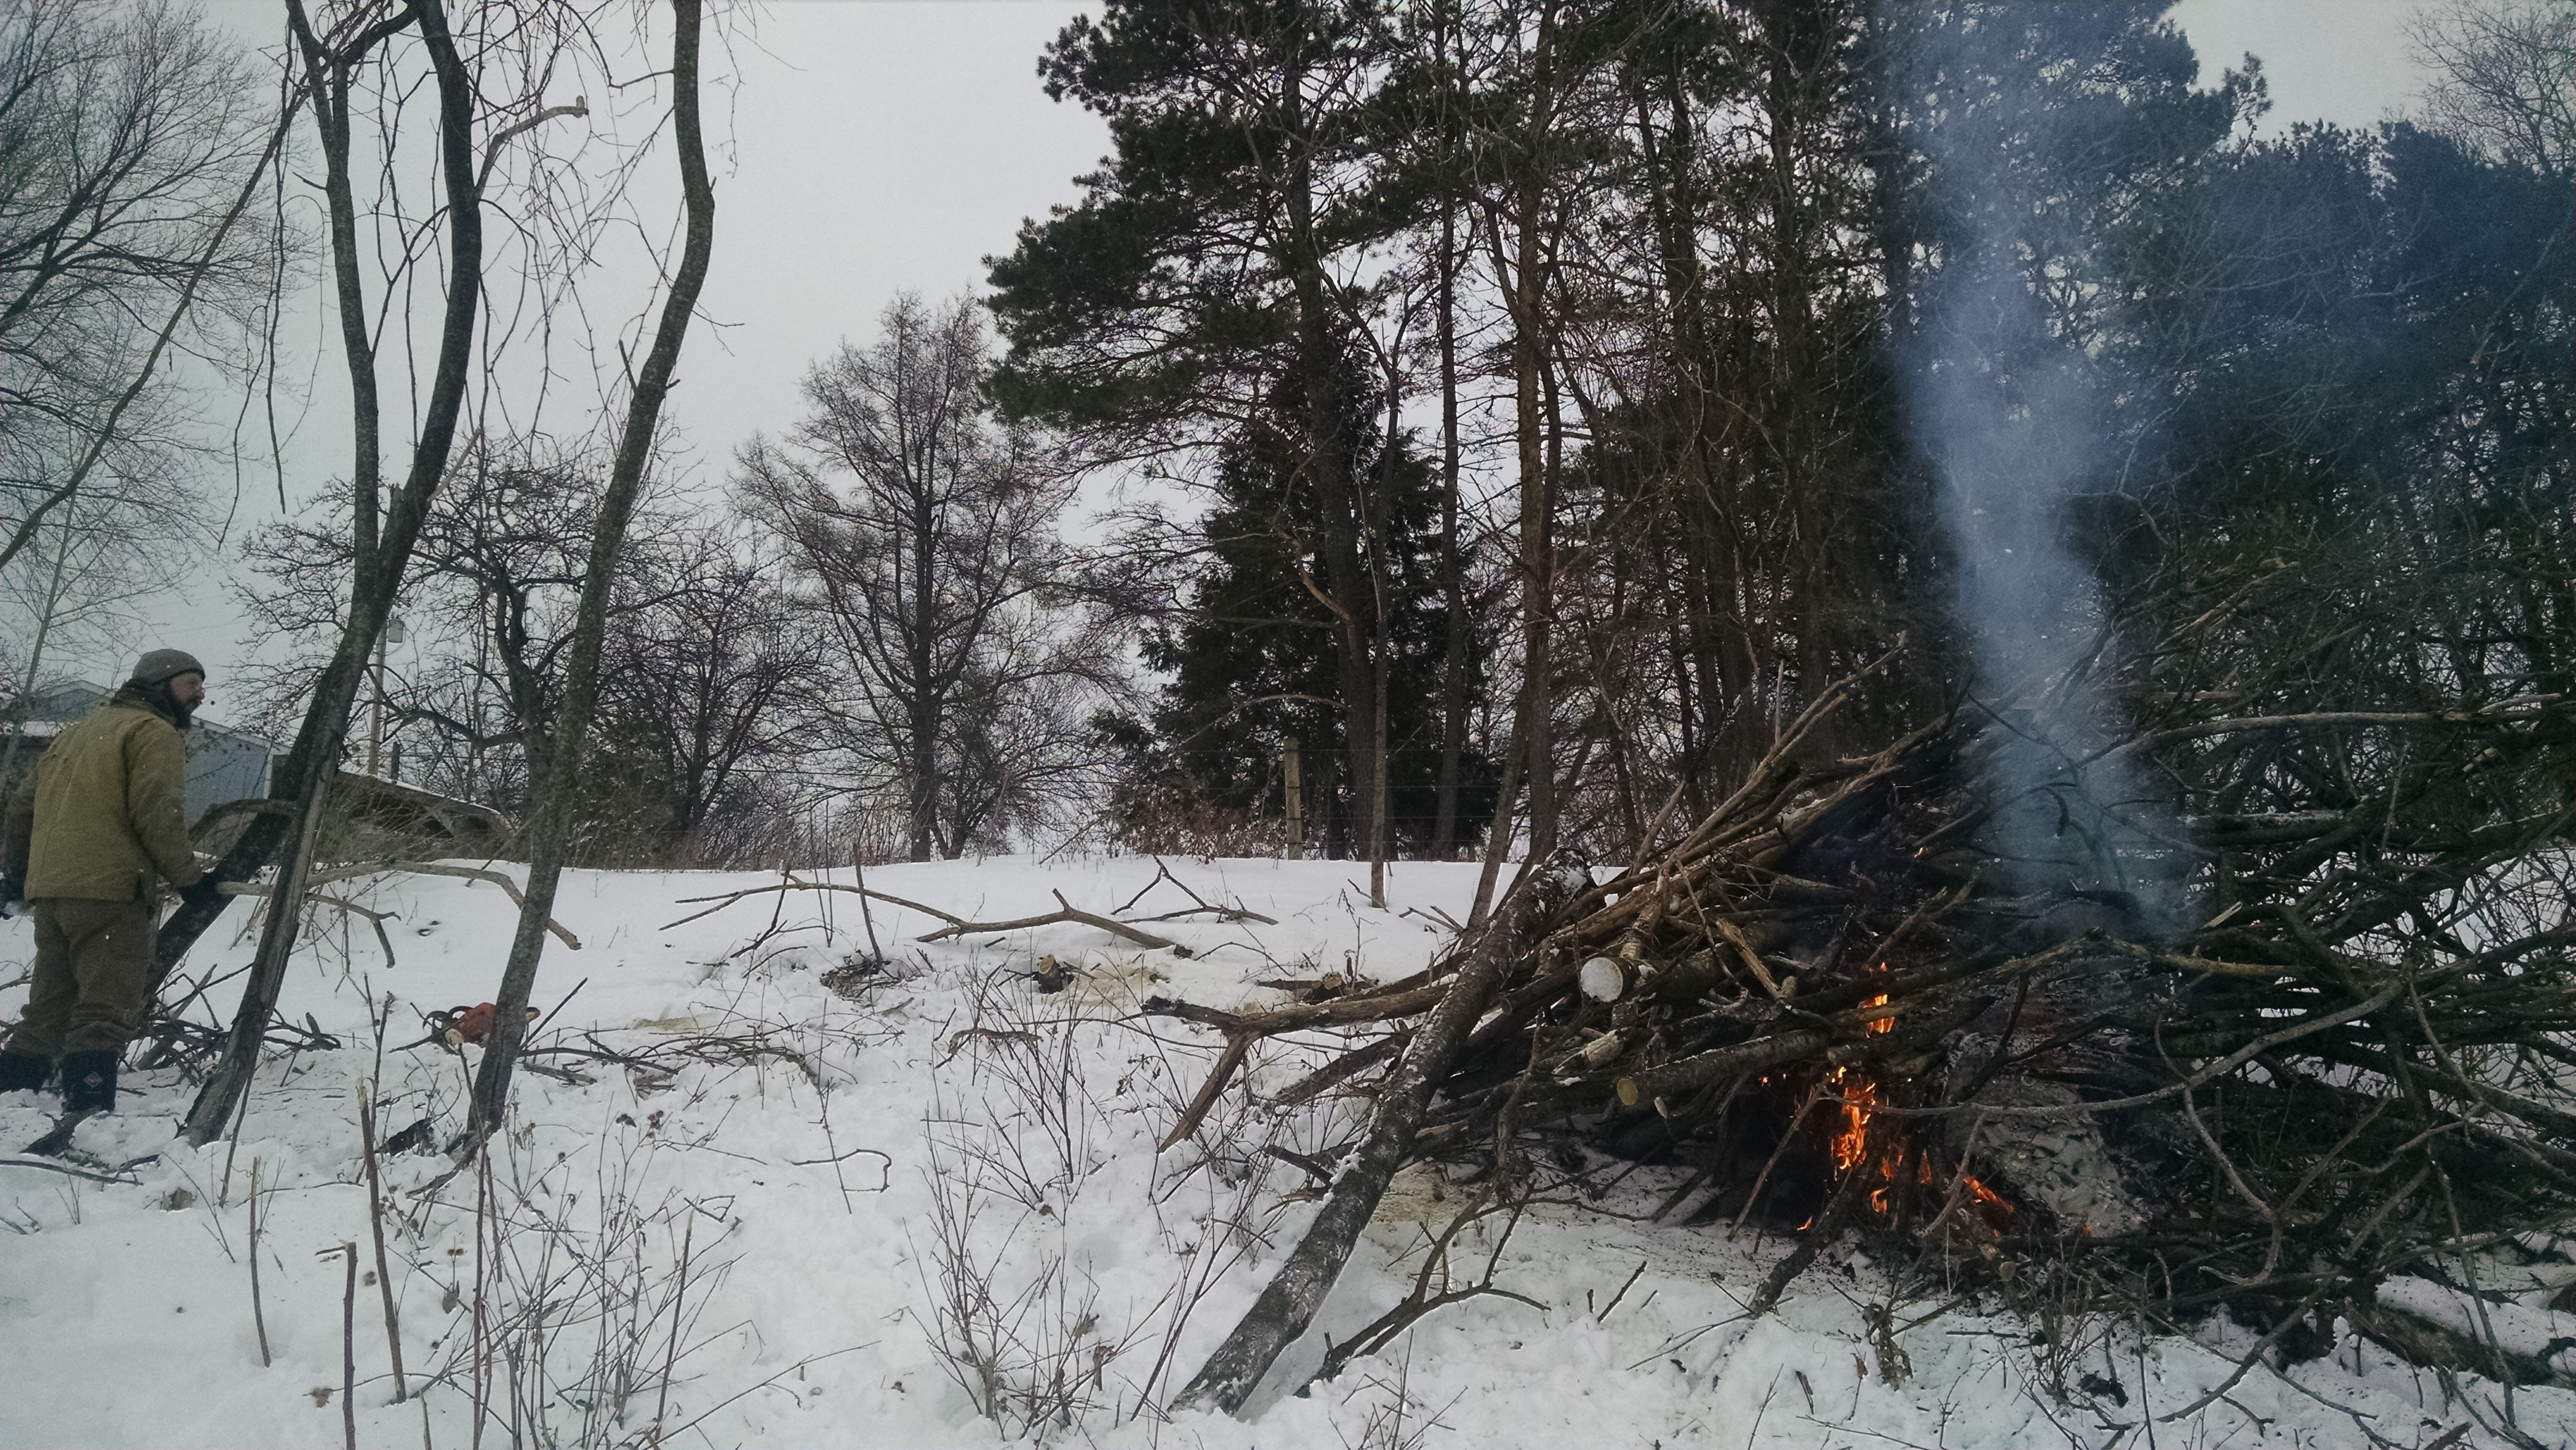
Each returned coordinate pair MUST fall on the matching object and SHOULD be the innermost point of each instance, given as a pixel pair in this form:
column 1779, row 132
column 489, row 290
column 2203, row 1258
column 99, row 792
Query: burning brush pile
column 2338, row 1043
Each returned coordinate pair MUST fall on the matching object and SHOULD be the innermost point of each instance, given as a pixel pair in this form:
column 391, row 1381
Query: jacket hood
column 155, row 698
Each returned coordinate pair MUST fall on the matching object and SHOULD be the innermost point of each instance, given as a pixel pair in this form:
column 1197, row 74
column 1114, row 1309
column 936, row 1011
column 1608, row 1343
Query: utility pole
column 1293, row 788
column 392, row 634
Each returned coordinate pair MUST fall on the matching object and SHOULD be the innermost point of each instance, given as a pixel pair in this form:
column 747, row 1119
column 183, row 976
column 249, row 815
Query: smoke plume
column 2012, row 422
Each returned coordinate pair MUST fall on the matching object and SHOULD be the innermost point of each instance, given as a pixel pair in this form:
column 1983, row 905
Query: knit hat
column 165, row 664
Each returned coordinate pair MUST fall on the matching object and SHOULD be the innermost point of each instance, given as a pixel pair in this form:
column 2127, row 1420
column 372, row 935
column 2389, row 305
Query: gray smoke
column 2012, row 422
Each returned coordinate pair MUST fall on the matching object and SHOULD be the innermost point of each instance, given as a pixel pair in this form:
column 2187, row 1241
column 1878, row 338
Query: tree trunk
column 1710, row 661
column 17, row 713
column 329, row 83
column 1346, row 590
column 549, row 831
column 1538, row 566
column 920, row 637
column 1793, row 37
column 922, row 827
column 306, row 771
column 1498, row 831
column 1453, row 583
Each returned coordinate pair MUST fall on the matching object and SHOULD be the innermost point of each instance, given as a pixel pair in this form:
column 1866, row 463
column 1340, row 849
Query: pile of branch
column 665, row 1056
column 174, row 1041
column 2343, row 1048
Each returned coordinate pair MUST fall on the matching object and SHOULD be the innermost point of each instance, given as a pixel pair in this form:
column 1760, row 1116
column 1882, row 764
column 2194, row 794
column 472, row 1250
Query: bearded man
column 101, row 823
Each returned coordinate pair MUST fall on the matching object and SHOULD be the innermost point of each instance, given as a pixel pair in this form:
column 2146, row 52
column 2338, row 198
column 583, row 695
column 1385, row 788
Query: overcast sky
column 875, row 146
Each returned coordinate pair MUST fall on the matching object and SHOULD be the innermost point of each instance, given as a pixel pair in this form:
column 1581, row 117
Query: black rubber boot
column 89, row 1082
column 23, row 1072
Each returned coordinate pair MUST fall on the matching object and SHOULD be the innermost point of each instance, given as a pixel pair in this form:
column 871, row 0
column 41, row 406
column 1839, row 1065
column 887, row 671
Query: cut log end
column 1604, row 980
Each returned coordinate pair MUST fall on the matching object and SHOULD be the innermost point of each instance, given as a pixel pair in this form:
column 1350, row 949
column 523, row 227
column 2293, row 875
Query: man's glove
column 206, row 889
column 13, row 891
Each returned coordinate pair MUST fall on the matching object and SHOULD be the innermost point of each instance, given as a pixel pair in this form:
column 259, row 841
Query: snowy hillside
column 922, row 1205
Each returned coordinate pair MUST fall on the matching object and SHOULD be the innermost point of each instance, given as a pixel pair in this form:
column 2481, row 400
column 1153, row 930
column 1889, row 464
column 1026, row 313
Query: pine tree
column 1199, row 285
column 1250, row 660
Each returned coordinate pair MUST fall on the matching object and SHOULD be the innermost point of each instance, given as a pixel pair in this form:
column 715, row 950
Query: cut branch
column 1068, row 913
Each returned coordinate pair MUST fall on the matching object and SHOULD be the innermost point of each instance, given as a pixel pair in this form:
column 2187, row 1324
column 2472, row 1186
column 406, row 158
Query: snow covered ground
column 923, row 1206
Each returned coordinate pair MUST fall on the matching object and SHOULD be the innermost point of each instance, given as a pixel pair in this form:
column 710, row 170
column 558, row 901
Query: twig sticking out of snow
column 51, row 1166
column 1422, row 1301
column 258, row 1314
column 375, row 918
column 348, row 1344
column 671, row 1350
column 376, row 1222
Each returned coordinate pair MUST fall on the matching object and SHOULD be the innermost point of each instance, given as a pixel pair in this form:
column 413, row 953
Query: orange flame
column 1982, row 1207
column 1849, row 1148
column 1859, row 1098
column 1887, row 1170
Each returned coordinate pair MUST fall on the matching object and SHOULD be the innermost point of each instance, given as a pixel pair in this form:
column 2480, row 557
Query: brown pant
column 93, row 976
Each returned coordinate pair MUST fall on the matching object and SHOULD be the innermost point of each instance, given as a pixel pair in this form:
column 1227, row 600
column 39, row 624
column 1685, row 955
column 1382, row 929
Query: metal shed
column 224, row 763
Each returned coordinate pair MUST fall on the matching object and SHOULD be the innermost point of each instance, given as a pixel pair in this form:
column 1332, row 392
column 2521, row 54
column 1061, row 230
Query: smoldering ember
column 1393, row 723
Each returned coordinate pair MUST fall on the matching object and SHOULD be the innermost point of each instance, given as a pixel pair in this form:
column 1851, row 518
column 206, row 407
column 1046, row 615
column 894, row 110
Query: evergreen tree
column 1198, row 286
column 1250, row 663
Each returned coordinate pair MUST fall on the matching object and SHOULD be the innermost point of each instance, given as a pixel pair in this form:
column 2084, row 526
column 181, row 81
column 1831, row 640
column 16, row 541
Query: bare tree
column 498, row 577
column 2504, row 78
column 130, row 138
column 704, row 656
column 550, row 826
column 697, row 692
column 337, row 58
column 926, row 532
column 92, row 565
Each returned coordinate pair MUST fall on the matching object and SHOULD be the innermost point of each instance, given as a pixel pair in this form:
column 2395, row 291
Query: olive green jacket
column 106, row 810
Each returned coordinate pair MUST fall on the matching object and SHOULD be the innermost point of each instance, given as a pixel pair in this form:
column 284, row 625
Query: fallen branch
column 1288, row 1303
column 1237, row 1046
column 50, row 1166
column 2500, row 712
column 797, row 883
column 2211, row 1073
column 1221, row 913
column 741, row 1049
column 1204, row 907
column 1070, row 913
column 1339, row 1012
column 1342, row 1069
column 1318, row 1166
